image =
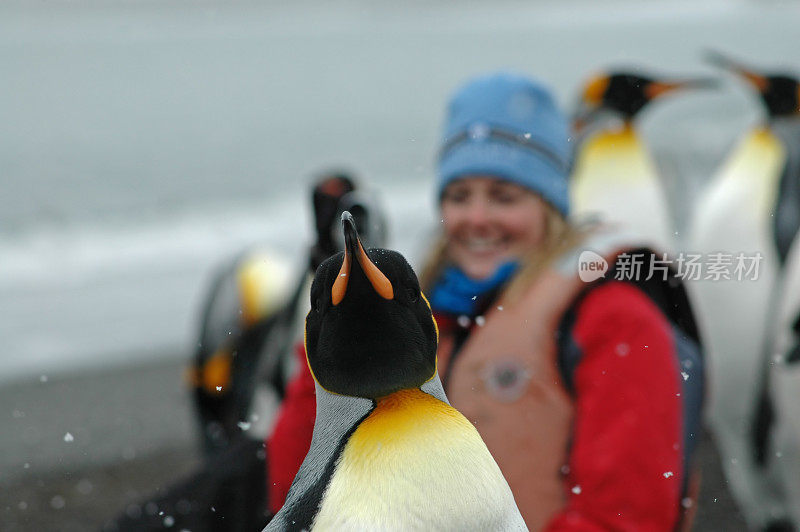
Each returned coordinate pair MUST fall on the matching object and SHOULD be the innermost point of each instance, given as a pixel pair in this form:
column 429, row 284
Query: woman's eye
column 506, row 193
column 505, row 197
column 455, row 196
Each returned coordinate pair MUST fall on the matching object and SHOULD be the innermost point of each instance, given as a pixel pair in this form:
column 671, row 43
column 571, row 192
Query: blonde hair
column 559, row 236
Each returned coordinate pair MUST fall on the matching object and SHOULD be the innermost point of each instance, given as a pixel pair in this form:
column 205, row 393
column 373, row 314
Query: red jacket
column 625, row 458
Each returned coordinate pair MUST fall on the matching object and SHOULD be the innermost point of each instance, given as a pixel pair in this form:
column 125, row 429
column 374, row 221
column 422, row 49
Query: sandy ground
column 75, row 450
column 133, row 434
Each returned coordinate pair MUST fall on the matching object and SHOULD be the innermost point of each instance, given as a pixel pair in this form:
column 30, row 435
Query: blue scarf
column 455, row 293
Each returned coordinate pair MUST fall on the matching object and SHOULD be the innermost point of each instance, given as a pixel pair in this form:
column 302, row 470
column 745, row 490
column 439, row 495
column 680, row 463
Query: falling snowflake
column 668, row 474
column 84, row 486
column 68, row 437
column 57, row 502
column 576, row 490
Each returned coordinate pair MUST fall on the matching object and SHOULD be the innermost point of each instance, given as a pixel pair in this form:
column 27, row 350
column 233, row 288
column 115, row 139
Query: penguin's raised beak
column 354, row 254
column 761, row 83
column 656, row 89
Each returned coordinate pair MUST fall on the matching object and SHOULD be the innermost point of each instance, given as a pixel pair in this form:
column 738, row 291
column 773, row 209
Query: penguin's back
column 415, row 463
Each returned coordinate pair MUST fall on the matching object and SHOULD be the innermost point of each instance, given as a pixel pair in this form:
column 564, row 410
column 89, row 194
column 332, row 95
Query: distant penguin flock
column 388, row 451
column 750, row 205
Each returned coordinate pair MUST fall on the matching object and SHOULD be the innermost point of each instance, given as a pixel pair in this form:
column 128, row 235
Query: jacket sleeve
column 291, row 436
column 625, row 462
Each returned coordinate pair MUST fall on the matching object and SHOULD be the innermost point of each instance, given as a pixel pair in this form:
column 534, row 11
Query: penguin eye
column 412, row 295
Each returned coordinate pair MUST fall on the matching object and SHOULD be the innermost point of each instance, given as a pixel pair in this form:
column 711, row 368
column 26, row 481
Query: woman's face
column 488, row 221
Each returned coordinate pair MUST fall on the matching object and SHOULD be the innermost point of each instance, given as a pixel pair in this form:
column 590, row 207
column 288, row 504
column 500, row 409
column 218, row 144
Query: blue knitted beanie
column 508, row 126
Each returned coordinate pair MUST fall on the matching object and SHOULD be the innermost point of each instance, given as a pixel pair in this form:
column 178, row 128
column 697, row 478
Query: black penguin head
column 370, row 331
column 626, row 93
column 780, row 92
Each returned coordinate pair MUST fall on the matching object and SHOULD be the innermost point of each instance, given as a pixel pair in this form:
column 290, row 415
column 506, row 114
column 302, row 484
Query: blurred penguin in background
column 752, row 206
column 779, row 95
column 253, row 317
column 614, row 175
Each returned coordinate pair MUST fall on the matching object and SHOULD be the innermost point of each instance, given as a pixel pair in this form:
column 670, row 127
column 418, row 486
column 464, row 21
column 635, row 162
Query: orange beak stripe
column 340, row 285
column 376, row 278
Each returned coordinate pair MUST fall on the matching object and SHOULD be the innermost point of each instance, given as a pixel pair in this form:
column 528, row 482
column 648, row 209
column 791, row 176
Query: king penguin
column 614, row 175
column 751, row 206
column 388, row 451
column 775, row 427
column 770, row 152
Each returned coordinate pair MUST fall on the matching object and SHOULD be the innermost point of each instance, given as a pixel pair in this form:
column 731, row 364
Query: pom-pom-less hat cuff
column 531, row 166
